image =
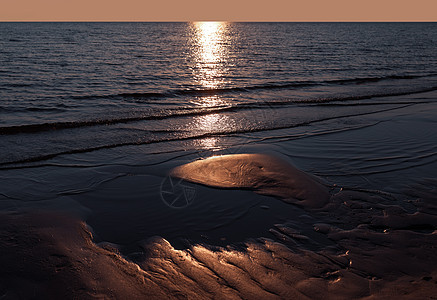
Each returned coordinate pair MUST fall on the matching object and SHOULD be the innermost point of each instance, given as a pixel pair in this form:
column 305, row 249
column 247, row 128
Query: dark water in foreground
column 94, row 115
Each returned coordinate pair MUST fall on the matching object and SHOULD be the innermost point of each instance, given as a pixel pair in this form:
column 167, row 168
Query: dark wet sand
column 391, row 254
column 343, row 243
column 52, row 256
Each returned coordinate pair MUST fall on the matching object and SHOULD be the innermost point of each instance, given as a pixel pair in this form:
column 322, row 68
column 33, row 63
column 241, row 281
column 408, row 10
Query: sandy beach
column 275, row 232
column 218, row 160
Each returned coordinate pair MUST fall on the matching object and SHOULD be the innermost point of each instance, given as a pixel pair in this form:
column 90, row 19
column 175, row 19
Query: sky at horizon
column 222, row 10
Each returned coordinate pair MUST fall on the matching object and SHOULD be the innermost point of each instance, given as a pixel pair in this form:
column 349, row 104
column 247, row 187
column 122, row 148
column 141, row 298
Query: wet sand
column 390, row 254
column 336, row 241
column 265, row 174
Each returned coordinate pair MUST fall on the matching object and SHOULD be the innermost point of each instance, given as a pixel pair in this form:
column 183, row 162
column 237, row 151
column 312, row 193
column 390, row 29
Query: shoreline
column 373, row 239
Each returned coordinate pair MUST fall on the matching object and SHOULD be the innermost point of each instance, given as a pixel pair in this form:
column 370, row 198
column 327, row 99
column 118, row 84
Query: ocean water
column 76, row 87
column 94, row 115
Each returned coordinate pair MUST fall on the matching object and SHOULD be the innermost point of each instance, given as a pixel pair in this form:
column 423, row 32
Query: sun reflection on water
column 210, row 124
column 210, row 53
column 210, row 60
column 210, row 101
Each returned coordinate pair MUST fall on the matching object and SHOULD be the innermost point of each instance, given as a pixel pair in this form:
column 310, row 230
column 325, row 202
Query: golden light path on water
column 210, row 55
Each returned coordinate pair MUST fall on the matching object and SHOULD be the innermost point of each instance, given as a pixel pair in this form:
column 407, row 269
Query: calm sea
column 76, row 87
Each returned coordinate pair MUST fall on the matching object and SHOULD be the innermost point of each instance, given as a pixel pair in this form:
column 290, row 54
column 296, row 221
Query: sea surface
column 94, row 115
column 75, row 87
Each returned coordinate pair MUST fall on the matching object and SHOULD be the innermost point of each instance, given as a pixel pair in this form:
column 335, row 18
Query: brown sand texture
column 264, row 174
column 381, row 250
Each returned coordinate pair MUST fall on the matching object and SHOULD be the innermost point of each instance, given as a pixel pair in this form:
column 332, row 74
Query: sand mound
column 262, row 173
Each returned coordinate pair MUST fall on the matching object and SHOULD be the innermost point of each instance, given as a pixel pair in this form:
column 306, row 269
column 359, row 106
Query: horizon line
column 229, row 21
